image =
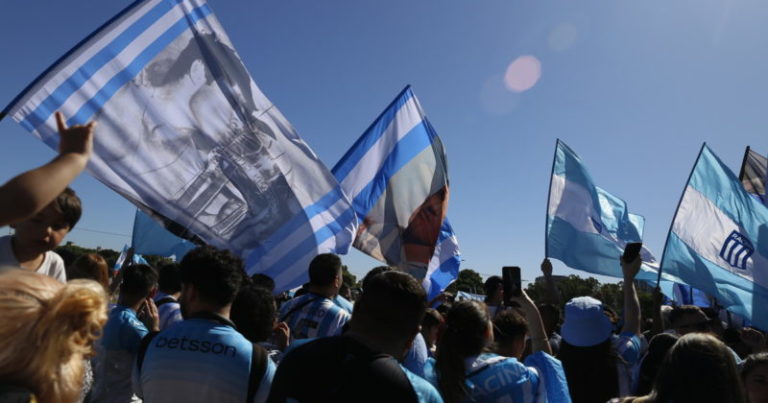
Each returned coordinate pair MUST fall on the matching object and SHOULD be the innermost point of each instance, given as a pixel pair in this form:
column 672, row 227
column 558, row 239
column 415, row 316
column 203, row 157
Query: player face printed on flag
column 397, row 177
column 186, row 135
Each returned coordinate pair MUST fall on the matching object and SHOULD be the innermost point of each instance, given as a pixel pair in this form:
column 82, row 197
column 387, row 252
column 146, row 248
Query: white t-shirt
column 52, row 266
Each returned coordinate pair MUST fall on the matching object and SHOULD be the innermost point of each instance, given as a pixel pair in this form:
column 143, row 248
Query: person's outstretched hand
column 630, row 269
column 77, row 139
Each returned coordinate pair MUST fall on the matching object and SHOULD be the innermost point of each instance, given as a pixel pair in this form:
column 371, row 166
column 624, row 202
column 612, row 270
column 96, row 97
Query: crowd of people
column 202, row 330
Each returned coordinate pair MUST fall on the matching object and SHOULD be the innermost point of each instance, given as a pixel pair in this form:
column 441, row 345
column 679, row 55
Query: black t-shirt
column 340, row 369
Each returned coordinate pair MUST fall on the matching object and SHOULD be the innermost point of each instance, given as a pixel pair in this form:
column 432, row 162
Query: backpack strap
column 143, row 346
column 259, row 364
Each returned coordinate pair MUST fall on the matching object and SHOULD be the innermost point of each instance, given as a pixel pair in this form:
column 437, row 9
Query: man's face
column 43, row 232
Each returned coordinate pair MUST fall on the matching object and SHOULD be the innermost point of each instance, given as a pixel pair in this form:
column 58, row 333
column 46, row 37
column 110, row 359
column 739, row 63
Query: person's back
column 363, row 364
column 204, row 358
column 315, row 314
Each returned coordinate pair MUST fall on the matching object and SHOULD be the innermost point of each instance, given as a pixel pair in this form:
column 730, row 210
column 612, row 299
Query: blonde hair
column 47, row 329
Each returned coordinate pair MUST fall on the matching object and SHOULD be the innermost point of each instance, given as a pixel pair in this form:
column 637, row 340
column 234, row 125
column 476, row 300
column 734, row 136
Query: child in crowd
column 28, row 193
column 119, row 344
column 31, row 247
column 90, row 266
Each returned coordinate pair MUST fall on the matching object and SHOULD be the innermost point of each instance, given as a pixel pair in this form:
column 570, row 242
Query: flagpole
column 664, row 252
column 549, row 196
column 741, row 172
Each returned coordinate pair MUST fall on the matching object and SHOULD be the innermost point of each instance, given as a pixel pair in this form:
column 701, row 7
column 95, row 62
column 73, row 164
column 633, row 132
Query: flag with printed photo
column 397, row 178
column 184, row 132
column 754, row 173
column 718, row 241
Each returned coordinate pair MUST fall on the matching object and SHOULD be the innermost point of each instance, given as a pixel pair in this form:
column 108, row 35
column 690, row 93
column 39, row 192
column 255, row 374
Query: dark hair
column 170, row 278
column 464, row 336
column 91, row 266
column 68, row 204
column 752, row 362
column 509, row 326
column 657, row 351
column 679, row 311
column 491, row 285
column 372, row 273
column 323, row 269
column 138, row 280
column 590, row 371
column 393, row 305
column 253, row 311
column 698, row 368
column 432, row 318
column 263, row 280
column 215, row 273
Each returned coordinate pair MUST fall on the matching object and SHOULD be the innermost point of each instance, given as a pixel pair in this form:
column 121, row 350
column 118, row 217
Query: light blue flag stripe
column 358, row 150
column 449, row 260
column 413, row 144
column 150, row 238
column 93, row 105
column 587, row 227
column 84, row 73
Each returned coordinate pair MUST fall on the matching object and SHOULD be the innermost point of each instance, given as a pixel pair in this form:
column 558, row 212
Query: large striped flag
column 587, row 227
column 718, row 241
column 185, row 134
column 754, row 174
column 151, row 238
column 397, row 178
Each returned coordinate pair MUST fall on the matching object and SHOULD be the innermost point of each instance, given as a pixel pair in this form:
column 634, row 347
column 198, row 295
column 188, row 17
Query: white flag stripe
column 707, row 237
column 573, row 203
column 97, row 81
column 407, row 117
column 32, row 99
column 290, row 276
column 108, row 71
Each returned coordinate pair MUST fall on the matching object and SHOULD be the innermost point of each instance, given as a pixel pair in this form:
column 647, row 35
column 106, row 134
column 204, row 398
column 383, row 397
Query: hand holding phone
column 512, row 283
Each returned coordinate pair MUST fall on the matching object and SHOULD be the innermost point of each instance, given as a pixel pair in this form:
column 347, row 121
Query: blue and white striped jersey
column 313, row 316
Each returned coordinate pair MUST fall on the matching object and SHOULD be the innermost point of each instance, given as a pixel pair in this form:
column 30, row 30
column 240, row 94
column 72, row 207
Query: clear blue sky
column 634, row 87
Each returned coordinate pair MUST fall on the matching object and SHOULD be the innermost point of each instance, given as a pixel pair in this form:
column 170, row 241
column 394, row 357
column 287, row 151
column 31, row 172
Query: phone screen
column 511, row 278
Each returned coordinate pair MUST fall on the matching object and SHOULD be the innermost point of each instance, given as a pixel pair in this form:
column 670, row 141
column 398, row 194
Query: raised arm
column 539, row 341
column 631, row 302
column 29, row 192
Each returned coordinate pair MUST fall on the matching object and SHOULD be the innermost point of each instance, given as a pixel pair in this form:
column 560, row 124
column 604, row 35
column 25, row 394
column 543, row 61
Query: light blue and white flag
column 121, row 259
column 396, row 175
column 587, row 227
column 184, row 132
column 443, row 268
column 718, row 241
column 151, row 238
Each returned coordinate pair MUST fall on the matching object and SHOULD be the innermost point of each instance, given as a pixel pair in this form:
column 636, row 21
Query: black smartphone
column 511, row 278
column 631, row 251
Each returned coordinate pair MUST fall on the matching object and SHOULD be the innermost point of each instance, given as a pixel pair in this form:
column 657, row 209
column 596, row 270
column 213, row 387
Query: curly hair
column 48, row 328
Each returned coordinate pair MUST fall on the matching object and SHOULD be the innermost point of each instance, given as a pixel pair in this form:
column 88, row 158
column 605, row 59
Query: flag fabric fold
column 754, row 173
column 185, row 132
column 587, row 227
column 443, row 268
column 151, row 238
column 396, row 176
column 718, row 241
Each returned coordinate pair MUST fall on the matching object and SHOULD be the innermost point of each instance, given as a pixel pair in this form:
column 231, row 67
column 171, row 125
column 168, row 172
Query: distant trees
column 468, row 281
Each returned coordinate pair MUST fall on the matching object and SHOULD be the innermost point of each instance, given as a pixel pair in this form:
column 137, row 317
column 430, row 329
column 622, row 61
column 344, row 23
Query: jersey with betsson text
column 493, row 378
column 199, row 360
column 311, row 316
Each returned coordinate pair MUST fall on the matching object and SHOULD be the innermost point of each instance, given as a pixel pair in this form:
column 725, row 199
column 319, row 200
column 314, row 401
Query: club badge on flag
column 184, row 132
column 718, row 241
column 396, row 175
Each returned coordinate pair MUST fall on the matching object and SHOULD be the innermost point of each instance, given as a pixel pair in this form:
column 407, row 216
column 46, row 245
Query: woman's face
column 756, row 384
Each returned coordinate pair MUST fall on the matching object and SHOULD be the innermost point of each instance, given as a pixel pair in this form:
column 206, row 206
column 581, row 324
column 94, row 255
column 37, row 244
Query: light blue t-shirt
column 199, row 360
column 343, row 303
column 424, row 390
column 492, row 378
column 417, row 356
